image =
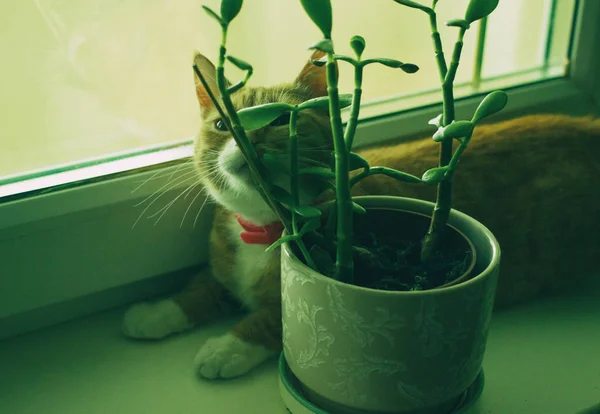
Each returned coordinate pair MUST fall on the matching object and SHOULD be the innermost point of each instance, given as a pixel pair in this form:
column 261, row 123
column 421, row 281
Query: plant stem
column 240, row 137
column 355, row 108
column 443, row 204
column 344, row 260
column 295, row 187
column 390, row 172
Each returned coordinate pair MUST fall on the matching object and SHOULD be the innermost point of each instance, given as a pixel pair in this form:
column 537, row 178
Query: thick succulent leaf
column 478, row 9
column 212, row 14
column 393, row 63
column 308, row 212
column 399, row 175
column 280, row 241
column 434, row 175
column 322, row 102
column 414, row 5
column 357, row 43
column 322, row 61
column 456, row 129
column 358, row 209
column 458, row 23
column 281, row 195
column 356, row 162
column 242, row 64
column 230, row 9
column 260, row 116
column 437, row 121
column 320, row 13
column 494, row 102
column 324, row 45
column 310, row 225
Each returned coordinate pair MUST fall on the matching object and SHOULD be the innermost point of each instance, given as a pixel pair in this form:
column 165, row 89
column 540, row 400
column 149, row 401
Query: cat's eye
column 220, row 125
column 282, row 120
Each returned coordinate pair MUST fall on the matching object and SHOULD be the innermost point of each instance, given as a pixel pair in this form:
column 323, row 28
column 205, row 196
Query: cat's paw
column 154, row 320
column 228, row 356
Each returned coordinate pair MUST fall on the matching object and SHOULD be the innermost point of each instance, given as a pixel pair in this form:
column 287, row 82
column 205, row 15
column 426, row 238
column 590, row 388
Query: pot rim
column 494, row 262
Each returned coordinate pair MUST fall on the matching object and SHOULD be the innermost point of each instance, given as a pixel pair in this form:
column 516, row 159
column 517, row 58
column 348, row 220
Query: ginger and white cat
column 533, row 181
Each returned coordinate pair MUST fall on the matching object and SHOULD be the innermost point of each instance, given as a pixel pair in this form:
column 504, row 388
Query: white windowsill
column 541, row 359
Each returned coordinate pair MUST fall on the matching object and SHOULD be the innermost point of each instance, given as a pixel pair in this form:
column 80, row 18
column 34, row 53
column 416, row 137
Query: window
column 98, row 80
column 98, row 98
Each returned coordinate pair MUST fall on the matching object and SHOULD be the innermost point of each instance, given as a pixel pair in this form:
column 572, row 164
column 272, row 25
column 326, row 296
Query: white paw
column 228, row 356
column 154, row 320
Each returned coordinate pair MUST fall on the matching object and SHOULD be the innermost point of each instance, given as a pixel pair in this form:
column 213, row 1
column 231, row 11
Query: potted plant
column 386, row 301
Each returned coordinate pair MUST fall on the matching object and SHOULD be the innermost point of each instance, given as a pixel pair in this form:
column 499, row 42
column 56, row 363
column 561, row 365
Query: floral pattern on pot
column 385, row 351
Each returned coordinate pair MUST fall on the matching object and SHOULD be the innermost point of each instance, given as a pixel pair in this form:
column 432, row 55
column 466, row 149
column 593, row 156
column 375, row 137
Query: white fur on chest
column 251, row 264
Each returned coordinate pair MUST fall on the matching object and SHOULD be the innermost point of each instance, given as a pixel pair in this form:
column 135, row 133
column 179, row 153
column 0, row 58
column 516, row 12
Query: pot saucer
column 296, row 402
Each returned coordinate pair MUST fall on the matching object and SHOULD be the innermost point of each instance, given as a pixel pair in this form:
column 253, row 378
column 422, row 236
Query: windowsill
column 541, row 358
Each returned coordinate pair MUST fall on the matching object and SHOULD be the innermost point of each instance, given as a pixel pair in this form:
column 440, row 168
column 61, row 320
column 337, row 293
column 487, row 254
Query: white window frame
column 69, row 252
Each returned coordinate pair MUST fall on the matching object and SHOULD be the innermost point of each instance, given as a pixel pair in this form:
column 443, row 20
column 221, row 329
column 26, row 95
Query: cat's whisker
column 199, row 211
column 166, row 208
column 174, row 184
column 157, row 197
column 202, row 190
column 161, row 173
column 169, row 204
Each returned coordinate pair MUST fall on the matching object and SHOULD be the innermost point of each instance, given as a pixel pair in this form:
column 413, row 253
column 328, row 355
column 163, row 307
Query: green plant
column 302, row 222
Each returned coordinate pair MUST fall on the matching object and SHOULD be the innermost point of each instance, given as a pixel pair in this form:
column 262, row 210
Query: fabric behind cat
column 533, row 181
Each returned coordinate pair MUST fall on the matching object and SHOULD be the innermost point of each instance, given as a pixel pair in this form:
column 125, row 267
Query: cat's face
column 221, row 166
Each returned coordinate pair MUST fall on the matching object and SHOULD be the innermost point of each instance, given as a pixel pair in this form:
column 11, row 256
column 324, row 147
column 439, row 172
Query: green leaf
column 243, row 65
column 393, row 63
column 458, row 23
column 414, row 5
column 491, row 104
column 434, row 175
column 399, row 175
column 478, row 9
column 358, row 209
column 437, row 121
column 212, row 14
column 357, row 43
column 322, row 61
column 356, row 162
column 456, row 129
column 324, row 45
column 320, row 13
column 308, row 212
column 434, row 4
column 280, row 241
column 230, row 9
column 320, row 171
column 310, row 225
column 260, row 116
column 322, row 102
column 281, row 195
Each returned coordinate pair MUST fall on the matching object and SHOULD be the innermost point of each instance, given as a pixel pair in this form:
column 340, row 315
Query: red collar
column 254, row 234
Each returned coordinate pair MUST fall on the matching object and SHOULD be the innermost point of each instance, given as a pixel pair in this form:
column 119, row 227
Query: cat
column 531, row 180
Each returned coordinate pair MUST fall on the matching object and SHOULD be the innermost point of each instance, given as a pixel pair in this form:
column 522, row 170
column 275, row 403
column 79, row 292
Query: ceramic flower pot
column 359, row 350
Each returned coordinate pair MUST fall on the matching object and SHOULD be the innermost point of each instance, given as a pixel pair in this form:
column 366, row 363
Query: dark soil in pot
column 387, row 253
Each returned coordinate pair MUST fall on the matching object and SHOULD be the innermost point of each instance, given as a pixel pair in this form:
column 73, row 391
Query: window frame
column 109, row 270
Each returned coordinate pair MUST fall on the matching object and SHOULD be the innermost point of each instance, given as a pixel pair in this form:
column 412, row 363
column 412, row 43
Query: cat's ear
column 209, row 73
column 315, row 77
